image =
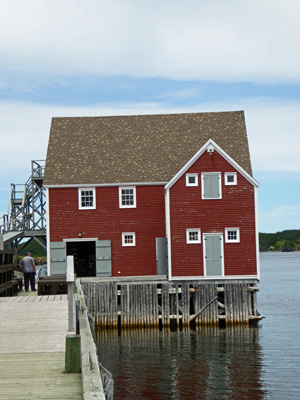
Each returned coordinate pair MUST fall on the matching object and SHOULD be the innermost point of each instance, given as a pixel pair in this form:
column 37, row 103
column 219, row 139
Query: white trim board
column 210, row 144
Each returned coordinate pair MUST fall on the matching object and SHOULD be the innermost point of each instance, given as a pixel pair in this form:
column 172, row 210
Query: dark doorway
column 84, row 257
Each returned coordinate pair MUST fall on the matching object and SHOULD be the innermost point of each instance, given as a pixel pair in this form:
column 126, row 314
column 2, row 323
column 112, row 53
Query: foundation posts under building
column 143, row 303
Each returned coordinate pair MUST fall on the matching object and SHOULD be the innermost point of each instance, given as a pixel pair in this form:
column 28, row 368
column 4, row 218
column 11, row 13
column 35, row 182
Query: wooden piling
column 138, row 304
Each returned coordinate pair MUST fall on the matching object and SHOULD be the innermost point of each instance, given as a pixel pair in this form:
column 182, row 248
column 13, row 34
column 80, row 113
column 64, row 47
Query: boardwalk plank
column 46, row 379
column 32, row 349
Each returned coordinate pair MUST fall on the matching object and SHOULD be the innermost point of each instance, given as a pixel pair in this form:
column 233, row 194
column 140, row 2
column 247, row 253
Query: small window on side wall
column 86, row 198
column 232, row 235
column 191, row 179
column 230, row 178
column 193, row 236
column 128, row 239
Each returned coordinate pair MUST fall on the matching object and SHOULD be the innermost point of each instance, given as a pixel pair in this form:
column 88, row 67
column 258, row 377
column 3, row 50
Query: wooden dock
column 32, row 349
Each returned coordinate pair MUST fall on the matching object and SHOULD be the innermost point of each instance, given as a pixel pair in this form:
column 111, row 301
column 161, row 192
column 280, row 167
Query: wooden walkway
column 32, row 349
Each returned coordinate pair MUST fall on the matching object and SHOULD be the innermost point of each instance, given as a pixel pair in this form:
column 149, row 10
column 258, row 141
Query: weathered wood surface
column 32, row 349
column 91, row 381
column 146, row 304
column 37, row 376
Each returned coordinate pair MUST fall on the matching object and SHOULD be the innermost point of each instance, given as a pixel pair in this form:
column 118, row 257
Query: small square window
column 128, row 239
column 232, row 235
column 230, row 178
column 191, row 180
column 87, row 199
column 193, row 236
column 127, row 197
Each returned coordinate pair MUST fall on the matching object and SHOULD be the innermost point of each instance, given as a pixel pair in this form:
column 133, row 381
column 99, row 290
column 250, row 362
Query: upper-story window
column 127, row 197
column 232, row 235
column 230, row 178
column 87, row 198
column 211, row 185
column 191, row 179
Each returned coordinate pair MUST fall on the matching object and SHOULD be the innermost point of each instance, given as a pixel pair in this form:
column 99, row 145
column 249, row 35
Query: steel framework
column 26, row 211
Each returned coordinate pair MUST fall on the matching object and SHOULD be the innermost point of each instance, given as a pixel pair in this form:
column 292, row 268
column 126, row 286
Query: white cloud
column 24, row 127
column 220, row 40
column 274, row 134
column 273, row 128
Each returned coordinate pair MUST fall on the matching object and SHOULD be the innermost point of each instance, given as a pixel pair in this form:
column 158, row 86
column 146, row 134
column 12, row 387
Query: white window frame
column 203, row 174
column 121, row 188
column 80, row 191
column 227, row 174
column 188, row 176
column 228, row 240
column 124, row 234
column 188, row 240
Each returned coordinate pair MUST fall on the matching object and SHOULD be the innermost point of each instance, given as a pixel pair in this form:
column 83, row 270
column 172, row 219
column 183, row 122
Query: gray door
column 103, row 258
column 58, row 258
column 161, row 256
column 213, row 254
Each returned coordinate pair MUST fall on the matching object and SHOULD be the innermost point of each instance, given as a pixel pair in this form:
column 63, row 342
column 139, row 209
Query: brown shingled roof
column 138, row 148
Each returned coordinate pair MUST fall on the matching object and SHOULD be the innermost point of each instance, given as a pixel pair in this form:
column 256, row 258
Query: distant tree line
column 34, row 248
column 288, row 240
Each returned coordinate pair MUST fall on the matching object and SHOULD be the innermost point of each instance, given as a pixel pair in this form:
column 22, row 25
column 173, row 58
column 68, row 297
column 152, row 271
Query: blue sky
column 73, row 58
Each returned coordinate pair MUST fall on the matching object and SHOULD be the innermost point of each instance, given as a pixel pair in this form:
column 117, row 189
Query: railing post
column 73, row 354
column 70, row 282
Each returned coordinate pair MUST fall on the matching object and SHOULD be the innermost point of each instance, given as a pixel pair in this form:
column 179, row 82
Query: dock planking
column 32, row 349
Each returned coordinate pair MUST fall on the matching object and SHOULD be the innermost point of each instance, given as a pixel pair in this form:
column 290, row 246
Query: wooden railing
column 91, row 379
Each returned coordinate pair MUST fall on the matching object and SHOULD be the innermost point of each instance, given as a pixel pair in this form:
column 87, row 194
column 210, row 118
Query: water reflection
column 211, row 363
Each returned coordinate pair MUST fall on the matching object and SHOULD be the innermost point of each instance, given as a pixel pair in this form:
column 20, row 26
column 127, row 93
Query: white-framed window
column 230, row 178
column 193, row 236
column 191, row 179
column 128, row 239
column 211, row 187
column 87, row 198
column 127, row 197
column 232, row 235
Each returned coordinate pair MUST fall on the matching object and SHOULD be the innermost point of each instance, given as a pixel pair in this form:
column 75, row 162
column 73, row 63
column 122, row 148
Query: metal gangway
column 26, row 211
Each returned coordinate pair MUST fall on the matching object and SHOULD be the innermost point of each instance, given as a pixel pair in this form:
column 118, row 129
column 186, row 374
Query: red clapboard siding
column 108, row 221
column 236, row 209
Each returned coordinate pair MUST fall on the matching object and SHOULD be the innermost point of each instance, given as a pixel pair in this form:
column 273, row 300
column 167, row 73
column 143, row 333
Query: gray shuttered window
column 211, row 186
column 103, row 258
column 58, row 258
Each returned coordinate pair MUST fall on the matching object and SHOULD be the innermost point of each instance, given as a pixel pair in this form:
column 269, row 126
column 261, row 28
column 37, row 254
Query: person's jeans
column 29, row 277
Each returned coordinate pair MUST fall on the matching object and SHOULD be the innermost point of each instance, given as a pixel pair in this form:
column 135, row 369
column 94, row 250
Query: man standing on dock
column 27, row 266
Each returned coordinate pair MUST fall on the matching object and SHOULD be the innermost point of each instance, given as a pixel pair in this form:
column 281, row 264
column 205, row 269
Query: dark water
column 236, row 363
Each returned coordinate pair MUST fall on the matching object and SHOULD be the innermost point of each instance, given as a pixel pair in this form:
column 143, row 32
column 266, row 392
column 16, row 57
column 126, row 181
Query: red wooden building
column 152, row 195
